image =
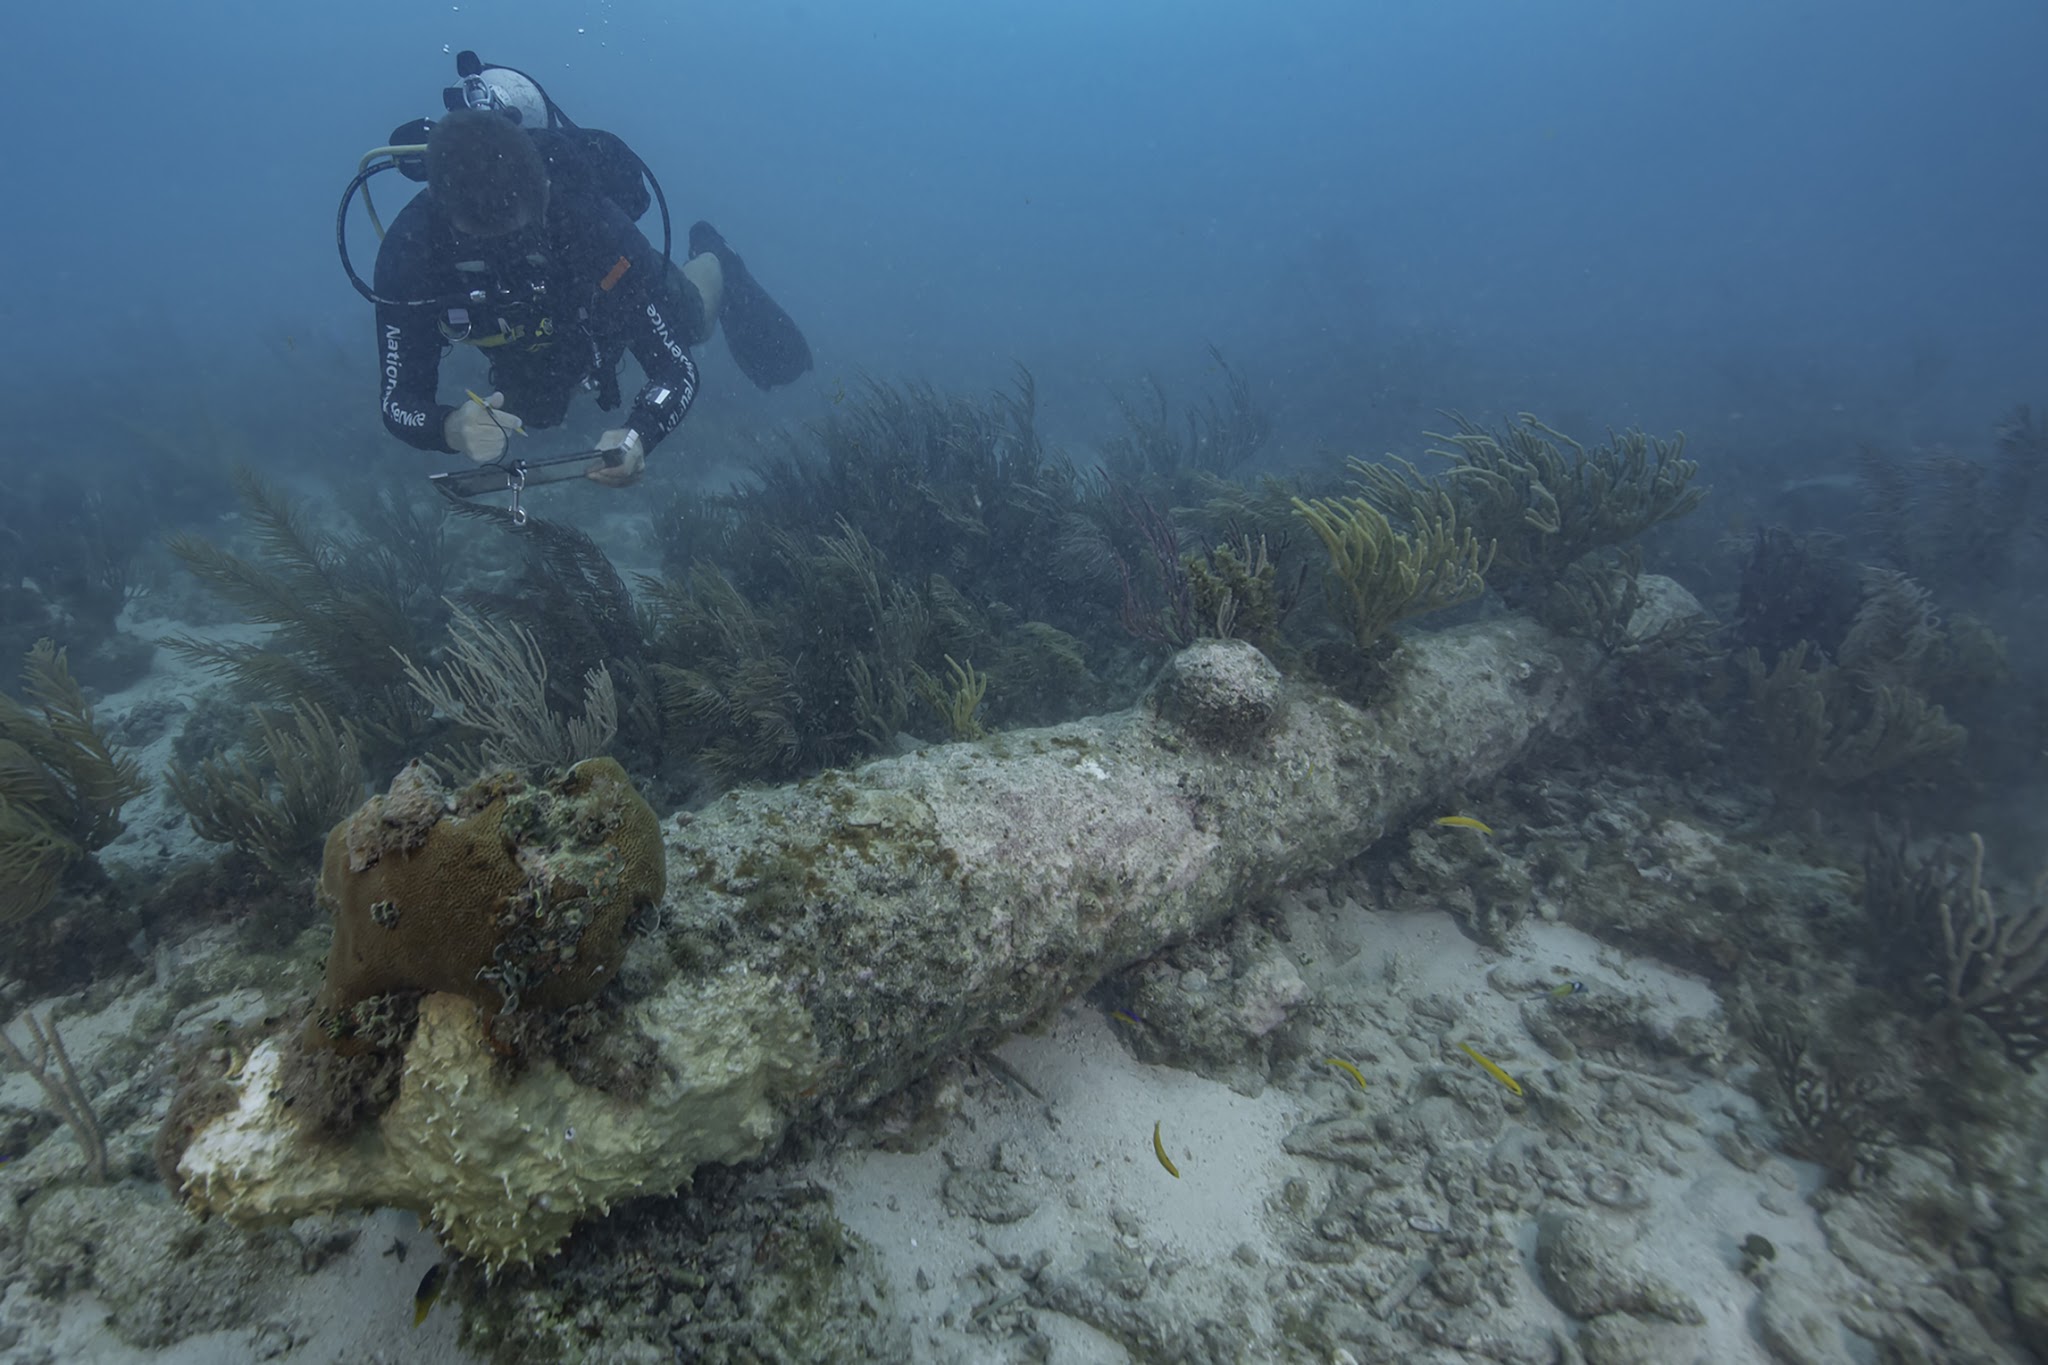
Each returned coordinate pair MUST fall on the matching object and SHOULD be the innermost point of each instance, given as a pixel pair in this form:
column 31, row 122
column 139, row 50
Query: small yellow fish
column 1493, row 1069
column 429, row 1292
column 1465, row 822
column 1348, row 1068
column 1159, row 1150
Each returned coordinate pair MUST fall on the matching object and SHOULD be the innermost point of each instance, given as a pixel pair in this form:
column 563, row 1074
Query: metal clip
column 515, row 482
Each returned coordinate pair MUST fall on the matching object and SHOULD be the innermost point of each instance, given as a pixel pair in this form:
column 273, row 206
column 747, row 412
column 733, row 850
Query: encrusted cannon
column 819, row 946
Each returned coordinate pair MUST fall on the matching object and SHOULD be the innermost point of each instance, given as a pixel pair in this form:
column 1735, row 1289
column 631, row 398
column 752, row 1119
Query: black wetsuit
column 603, row 292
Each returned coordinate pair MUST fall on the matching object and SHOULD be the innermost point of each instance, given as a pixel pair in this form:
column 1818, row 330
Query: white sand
column 1092, row 1139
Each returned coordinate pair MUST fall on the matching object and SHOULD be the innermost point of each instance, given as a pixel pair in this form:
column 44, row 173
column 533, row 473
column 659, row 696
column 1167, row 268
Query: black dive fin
column 763, row 339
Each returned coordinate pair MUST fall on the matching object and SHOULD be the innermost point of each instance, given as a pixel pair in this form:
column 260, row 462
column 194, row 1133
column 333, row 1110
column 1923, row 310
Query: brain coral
column 514, row 894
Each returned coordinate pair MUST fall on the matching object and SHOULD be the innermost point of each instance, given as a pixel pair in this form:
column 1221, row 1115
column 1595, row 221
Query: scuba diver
column 524, row 244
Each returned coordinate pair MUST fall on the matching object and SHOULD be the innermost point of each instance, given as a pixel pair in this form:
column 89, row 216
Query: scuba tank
column 591, row 157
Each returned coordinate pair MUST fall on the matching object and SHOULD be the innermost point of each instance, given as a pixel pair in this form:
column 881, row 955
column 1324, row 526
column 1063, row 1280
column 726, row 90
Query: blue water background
column 1792, row 224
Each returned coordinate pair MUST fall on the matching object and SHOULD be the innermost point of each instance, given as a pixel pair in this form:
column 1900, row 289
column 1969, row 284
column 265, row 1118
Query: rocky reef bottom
column 1430, row 1109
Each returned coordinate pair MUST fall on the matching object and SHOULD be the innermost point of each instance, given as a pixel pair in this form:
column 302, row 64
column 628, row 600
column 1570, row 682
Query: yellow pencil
column 477, row 399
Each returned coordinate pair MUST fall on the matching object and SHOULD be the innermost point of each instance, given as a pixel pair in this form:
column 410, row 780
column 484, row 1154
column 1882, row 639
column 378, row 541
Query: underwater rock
column 146, row 722
column 1666, row 604
column 1216, row 1004
column 1489, row 893
column 825, row 944
column 2030, row 1310
column 1222, row 692
column 1917, row 1316
column 162, row 1276
column 1189, row 1314
column 113, row 663
column 1795, row 1325
column 1620, row 1339
column 747, row 1267
column 1587, row 1270
column 989, row 1196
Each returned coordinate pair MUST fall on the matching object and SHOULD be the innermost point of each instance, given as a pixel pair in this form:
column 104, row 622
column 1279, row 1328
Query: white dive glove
column 480, row 428
column 625, row 457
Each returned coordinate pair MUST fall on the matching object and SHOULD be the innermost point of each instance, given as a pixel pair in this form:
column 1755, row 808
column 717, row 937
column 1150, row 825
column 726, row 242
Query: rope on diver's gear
column 391, row 155
column 394, row 153
column 361, row 182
